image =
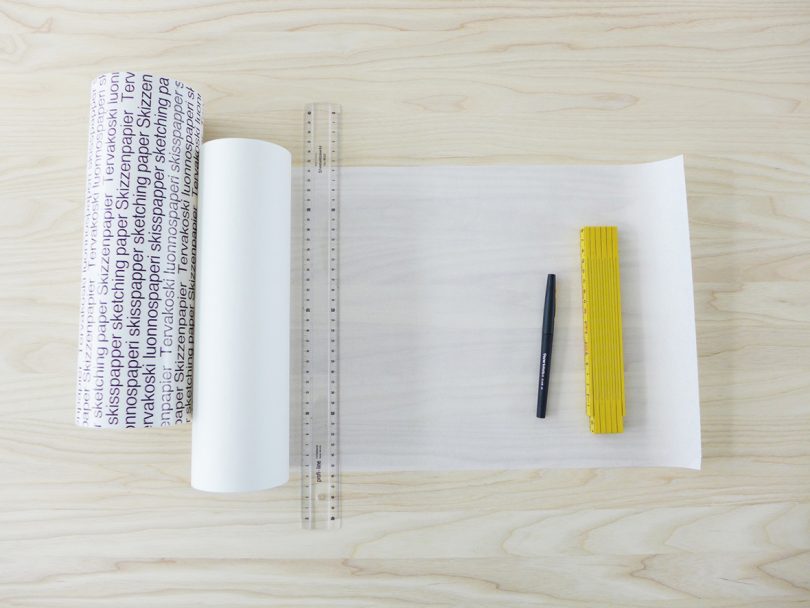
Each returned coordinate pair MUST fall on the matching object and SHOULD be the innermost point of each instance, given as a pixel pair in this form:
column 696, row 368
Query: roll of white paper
column 137, row 289
column 241, row 429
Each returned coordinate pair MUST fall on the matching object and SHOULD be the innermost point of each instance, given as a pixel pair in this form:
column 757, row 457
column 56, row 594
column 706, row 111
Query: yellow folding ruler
column 602, row 326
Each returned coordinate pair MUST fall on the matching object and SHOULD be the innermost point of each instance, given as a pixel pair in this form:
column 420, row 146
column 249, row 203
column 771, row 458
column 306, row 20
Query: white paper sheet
column 443, row 271
column 241, row 429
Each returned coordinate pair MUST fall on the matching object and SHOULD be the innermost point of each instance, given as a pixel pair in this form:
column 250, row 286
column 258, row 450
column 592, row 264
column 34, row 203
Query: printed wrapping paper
column 136, row 323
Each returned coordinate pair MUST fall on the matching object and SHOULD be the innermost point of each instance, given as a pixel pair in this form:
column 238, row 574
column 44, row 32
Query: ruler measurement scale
column 320, row 472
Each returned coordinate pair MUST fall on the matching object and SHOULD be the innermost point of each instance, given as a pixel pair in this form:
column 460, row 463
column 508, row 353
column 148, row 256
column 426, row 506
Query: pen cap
column 550, row 306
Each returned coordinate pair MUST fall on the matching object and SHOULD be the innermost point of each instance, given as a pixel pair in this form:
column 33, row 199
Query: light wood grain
column 105, row 519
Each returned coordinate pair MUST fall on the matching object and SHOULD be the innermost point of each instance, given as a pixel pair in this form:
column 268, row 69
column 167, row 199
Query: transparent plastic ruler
column 320, row 470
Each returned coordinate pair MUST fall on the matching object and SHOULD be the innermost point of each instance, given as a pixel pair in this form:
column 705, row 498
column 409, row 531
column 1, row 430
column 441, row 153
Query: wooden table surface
column 108, row 519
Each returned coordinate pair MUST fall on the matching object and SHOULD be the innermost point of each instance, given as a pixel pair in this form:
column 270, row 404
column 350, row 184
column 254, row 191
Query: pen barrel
column 545, row 371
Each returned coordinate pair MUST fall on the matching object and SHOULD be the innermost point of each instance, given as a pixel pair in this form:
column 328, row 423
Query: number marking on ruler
column 320, row 472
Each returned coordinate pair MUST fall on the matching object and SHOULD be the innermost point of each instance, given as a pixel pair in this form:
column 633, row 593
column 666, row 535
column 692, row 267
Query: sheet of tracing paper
column 442, row 279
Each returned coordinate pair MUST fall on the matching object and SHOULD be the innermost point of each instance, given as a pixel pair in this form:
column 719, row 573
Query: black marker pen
column 545, row 345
